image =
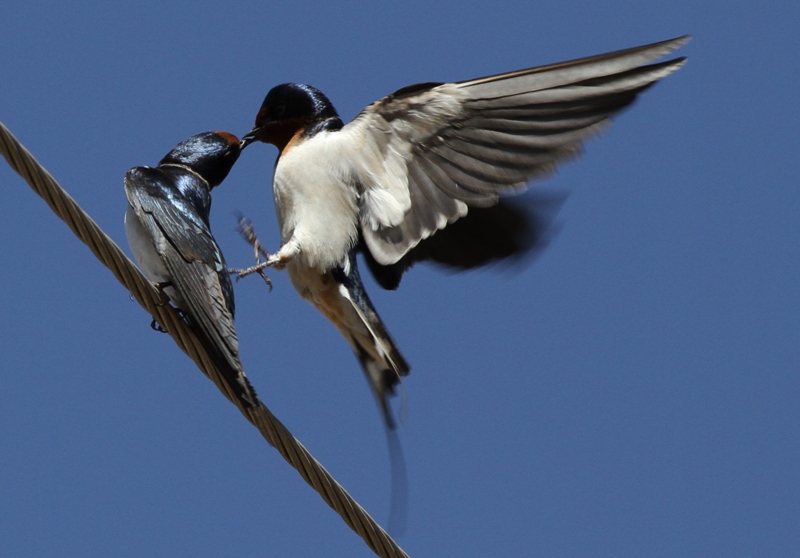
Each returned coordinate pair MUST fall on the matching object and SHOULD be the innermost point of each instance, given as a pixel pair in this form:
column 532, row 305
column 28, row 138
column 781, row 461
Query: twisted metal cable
column 154, row 302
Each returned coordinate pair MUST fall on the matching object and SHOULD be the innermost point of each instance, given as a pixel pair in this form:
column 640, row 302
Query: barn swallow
column 418, row 161
column 167, row 224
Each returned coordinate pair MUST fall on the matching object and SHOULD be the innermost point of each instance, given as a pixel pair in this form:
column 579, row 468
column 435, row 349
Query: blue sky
column 632, row 392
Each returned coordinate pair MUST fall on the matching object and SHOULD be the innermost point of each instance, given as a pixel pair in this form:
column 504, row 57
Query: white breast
column 316, row 199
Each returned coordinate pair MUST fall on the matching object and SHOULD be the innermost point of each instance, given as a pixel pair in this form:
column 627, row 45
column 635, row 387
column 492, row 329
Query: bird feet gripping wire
column 248, row 232
column 164, row 302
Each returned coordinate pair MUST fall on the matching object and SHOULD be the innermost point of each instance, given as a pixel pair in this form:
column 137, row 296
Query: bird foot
column 248, row 232
column 258, row 268
column 164, row 296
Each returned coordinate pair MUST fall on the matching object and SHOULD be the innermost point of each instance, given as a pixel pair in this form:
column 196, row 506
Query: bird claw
column 258, row 268
column 248, row 232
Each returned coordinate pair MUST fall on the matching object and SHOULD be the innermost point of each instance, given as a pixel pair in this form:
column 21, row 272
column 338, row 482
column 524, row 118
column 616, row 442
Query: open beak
column 250, row 137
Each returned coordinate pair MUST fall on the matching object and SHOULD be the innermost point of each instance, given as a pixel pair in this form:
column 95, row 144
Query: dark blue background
column 632, row 392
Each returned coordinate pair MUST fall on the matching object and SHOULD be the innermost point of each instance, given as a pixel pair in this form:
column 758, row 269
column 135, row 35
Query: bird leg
column 248, row 232
column 286, row 254
column 258, row 268
column 160, row 286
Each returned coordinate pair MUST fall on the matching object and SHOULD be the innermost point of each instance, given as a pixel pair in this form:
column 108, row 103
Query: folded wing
column 196, row 268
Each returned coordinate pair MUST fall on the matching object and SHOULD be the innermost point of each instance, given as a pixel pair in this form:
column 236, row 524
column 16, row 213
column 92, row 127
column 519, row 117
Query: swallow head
column 210, row 154
column 287, row 110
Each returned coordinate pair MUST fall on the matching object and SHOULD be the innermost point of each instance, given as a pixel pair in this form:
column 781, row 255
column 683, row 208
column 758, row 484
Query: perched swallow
column 167, row 224
column 419, row 160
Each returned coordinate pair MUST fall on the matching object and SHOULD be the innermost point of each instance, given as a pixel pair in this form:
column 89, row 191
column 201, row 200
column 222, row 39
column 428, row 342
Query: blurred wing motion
column 513, row 231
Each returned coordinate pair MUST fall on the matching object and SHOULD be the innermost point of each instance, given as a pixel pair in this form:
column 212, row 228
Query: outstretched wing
column 432, row 151
column 196, row 268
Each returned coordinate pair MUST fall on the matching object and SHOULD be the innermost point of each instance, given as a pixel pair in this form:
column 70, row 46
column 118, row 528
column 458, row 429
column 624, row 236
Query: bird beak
column 250, row 137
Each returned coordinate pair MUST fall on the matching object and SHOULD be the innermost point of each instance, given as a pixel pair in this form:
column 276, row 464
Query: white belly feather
column 316, row 201
column 143, row 249
column 147, row 256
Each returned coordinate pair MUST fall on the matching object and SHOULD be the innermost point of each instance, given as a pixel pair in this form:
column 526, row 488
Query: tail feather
column 381, row 379
column 381, row 360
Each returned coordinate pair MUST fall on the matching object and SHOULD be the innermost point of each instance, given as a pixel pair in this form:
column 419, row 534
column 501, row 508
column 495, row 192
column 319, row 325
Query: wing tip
column 647, row 53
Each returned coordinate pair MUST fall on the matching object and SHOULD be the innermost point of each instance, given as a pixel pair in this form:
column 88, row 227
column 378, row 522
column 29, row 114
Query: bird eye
column 279, row 111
